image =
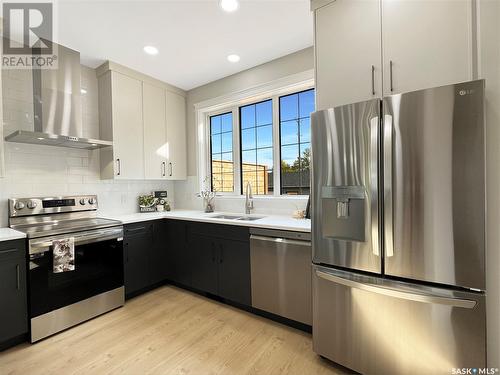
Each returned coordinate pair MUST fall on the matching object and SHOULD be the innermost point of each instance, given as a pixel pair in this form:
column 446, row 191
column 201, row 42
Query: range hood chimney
column 57, row 106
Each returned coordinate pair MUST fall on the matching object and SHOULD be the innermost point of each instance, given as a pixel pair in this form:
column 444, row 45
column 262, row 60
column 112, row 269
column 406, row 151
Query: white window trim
column 231, row 103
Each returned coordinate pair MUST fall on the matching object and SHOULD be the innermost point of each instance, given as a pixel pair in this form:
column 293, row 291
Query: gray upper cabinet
column 368, row 49
column 426, row 44
column 347, row 50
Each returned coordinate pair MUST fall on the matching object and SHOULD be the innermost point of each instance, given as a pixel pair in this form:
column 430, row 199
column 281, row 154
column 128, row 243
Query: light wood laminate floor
column 171, row 331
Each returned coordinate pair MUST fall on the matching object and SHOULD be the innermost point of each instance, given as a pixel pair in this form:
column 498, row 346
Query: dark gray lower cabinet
column 137, row 242
column 179, row 253
column 14, row 311
column 221, row 261
column 211, row 258
column 234, row 271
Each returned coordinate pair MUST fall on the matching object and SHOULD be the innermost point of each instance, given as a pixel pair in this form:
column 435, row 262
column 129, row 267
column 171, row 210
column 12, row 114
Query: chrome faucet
column 248, row 199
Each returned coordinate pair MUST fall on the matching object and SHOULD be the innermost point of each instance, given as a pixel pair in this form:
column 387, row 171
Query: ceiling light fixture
column 151, row 50
column 233, row 58
column 229, row 5
column 83, row 91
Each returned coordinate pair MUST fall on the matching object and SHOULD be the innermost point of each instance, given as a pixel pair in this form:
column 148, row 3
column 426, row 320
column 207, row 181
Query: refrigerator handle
column 399, row 293
column 387, row 156
column 374, row 192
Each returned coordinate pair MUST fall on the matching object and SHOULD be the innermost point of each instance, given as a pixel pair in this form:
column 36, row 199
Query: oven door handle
column 43, row 245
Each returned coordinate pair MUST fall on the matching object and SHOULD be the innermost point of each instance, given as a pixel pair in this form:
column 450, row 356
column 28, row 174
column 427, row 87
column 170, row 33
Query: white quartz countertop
column 7, row 234
column 267, row 221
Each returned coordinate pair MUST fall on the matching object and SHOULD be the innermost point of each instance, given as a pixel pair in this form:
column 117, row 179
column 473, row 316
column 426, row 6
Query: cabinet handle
column 118, row 164
column 18, row 277
column 163, row 169
column 221, row 258
column 170, row 166
column 373, row 79
column 390, row 75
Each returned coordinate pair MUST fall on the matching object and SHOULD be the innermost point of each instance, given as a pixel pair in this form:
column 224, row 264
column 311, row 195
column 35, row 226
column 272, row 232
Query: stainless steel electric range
column 59, row 300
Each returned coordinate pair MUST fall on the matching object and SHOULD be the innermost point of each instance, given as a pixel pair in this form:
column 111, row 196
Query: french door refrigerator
column 398, row 221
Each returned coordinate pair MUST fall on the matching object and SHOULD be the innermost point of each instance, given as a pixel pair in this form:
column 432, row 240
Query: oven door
column 98, row 269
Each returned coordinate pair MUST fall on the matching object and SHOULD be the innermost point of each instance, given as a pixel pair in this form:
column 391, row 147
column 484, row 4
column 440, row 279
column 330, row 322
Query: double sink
column 237, row 217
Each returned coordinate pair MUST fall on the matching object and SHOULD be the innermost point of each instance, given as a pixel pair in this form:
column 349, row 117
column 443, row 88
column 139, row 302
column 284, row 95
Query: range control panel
column 38, row 206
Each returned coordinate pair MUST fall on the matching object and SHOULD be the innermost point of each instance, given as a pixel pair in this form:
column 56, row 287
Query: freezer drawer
column 281, row 274
column 375, row 326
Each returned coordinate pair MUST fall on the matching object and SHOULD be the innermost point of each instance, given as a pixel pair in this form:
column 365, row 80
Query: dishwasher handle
column 279, row 240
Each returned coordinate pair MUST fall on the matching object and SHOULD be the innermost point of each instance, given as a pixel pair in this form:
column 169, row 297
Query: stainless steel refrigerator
column 398, row 223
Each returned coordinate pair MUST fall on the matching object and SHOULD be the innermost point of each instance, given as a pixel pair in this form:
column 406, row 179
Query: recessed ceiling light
column 233, row 58
column 40, row 139
column 229, row 5
column 151, row 50
column 83, row 91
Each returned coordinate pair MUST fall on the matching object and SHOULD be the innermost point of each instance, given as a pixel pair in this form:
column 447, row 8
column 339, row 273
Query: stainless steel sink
column 250, row 218
column 229, row 217
column 237, row 217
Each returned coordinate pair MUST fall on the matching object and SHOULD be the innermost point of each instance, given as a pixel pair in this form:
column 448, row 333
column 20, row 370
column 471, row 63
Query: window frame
column 240, row 166
column 299, row 141
column 210, row 171
column 299, row 82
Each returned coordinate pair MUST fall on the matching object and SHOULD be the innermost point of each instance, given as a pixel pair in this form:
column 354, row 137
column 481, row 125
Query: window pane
column 227, row 142
column 248, row 139
column 249, row 157
column 289, row 107
column 227, row 122
column 222, row 152
column 265, row 171
column 295, row 142
column 247, row 116
column 264, row 113
column 305, row 130
column 215, row 124
column 216, row 144
column 289, row 132
column 289, row 156
column 250, row 176
column 265, row 136
column 227, row 156
column 306, row 103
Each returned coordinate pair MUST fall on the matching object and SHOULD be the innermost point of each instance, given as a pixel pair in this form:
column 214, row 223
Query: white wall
column 294, row 63
column 32, row 170
column 489, row 68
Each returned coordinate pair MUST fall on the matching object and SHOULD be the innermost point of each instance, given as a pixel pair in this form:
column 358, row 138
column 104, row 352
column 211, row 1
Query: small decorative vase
column 208, row 204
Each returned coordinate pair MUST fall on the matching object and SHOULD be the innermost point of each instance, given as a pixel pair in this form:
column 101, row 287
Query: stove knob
column 82, row 201
column 31, row 204
column 19, row 205
column 91, row 200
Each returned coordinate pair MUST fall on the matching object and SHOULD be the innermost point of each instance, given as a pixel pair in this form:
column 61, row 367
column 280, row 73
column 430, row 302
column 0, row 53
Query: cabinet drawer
column 12, row 249
column 229, row 232
column 137, row 229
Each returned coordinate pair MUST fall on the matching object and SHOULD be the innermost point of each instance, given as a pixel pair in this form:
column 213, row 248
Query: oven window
column 98, row 269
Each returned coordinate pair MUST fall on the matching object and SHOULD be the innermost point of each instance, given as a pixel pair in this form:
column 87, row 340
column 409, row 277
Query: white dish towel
column 64, row 255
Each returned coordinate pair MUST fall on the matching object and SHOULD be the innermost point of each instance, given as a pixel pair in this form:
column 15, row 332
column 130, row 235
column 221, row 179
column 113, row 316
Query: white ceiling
column 194, row 37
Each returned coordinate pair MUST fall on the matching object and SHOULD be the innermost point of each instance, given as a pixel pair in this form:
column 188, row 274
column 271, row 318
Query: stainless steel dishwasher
column 281, row 273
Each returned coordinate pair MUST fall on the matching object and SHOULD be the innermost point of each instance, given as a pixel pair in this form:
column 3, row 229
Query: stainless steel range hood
column 57, row 106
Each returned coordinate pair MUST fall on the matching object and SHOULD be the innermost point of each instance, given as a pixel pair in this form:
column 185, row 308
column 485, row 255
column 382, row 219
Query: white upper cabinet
column 428, row 42
column 120, row 112
column 146, row 120
column 348, row 52
column 155, row 132
column 411, row 44
column 176, row 136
